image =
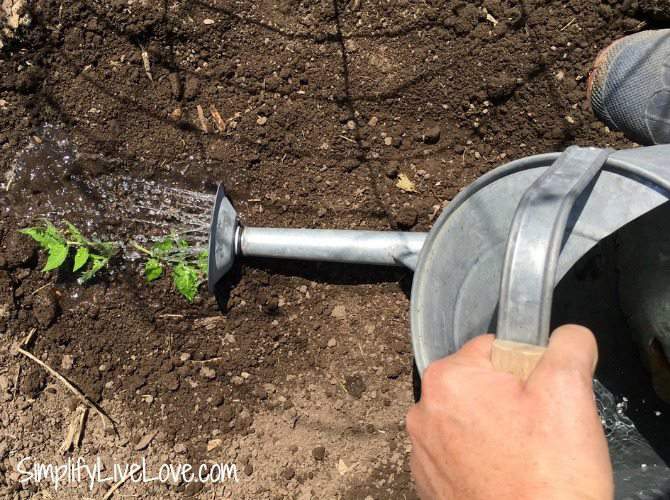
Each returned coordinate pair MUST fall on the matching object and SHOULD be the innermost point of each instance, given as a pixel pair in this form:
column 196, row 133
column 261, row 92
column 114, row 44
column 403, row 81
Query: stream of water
column 50, row 179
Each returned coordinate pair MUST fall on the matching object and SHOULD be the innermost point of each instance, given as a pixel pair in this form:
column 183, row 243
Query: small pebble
column 319, row 453
column 288, row 473
column 207, row 373
column 339, row 312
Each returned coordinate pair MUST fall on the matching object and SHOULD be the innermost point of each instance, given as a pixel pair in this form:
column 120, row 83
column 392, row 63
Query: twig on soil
column 70, row 434
column 106, row 420
column 216, row 116
column 147, row 64
column 81, row 423
column 115, row 487
column 569, row 24
column 29, row 338
column 210, row 360
column 170, row 316
column 203, row 120
column 346, row 138
column 40, row 288
column 16, row 382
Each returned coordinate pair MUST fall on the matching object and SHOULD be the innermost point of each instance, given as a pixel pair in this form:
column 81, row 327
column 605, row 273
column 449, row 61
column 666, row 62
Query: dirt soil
column 300, row 374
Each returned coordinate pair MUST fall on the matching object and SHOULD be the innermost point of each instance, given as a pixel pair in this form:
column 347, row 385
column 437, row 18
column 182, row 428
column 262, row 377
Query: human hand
column 478, row 433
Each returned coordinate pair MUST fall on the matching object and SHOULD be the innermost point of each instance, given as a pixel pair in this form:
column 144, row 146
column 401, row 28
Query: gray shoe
column 629, row 87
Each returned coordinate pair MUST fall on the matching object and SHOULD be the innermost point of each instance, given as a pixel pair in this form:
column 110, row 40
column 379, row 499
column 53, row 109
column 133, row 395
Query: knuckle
column 432, row 380
column 412, row 422
column 440, row 380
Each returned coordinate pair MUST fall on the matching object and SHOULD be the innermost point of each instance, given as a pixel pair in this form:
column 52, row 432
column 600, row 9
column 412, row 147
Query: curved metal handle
column 534, row 245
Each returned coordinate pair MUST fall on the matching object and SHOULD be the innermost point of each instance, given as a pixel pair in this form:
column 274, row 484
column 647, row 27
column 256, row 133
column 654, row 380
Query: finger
column 571, row 348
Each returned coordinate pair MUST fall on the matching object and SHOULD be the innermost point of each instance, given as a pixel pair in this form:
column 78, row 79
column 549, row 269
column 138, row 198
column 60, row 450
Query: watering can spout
column 229, row 239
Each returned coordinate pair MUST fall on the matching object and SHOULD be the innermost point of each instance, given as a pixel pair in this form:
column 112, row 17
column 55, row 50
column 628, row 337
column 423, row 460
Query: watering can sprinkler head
column 224, row 235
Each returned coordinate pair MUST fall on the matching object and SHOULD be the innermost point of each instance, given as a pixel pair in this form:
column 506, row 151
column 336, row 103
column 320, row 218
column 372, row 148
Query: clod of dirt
column 218, row 150
column 193, row 489
column 350, row 164
column 319, row 453
column 45, row 308
column 406, row 218
column 171, row 382
column 20, row 250
column 355, row 385
column 394, row 369
column 33, row 382
column 192, row 87
column 175, row 85
column 465, row 19
column 339, row 312
column 136, row 382
column 392, row 169
column 28, row 80
column 431, row 135
column 288, row 473
column 248, row 469
column 501, row 89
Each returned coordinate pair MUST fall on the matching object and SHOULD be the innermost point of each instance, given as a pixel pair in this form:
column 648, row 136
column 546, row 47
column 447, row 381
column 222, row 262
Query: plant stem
column 139, row 247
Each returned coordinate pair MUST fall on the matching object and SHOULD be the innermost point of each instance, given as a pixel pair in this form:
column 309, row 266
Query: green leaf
column 37, row 233
column 153, row 269
column 57, row 255
column 80, row 258
column 186, row 280
column 45, row 239
column 203, row 261
column 53, row 232
column 163, row 246
column 97, row 263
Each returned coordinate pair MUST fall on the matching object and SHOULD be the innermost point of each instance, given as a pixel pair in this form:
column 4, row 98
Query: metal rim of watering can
column 434, row 269
column 449, row 306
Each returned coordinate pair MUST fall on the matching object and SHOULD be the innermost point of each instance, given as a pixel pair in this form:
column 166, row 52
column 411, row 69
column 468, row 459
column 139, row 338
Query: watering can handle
column 535, row 240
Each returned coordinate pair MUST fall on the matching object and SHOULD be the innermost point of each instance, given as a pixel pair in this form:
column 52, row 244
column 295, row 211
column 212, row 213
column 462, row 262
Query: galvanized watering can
column 492, row 260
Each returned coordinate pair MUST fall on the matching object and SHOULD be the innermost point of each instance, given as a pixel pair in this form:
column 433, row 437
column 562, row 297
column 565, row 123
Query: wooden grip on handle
column 516, row 358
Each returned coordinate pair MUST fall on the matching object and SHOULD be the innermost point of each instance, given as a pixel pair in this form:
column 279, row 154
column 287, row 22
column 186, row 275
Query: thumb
column 571, row 348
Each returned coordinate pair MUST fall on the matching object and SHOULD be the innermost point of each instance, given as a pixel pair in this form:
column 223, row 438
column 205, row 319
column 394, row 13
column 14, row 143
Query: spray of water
column 50, row 179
